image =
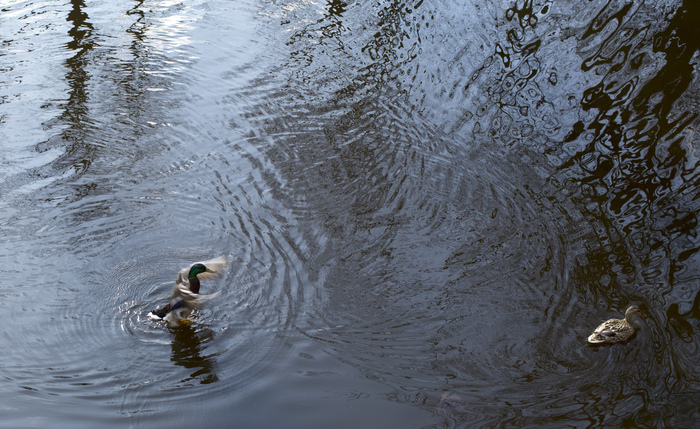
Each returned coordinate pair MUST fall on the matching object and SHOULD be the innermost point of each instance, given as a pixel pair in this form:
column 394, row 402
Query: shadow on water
column 110, row 91
column 595, row 105
column 635, row 174
column 78, row 152
column 445, row 198
column 188, row 347
column 67, row 120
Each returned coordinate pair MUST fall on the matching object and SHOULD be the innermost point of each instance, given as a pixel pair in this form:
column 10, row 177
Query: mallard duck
column 616, row 330
column 186, row 297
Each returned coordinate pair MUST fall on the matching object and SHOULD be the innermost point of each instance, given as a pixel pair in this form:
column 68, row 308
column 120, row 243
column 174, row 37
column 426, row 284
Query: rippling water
column 426, row 208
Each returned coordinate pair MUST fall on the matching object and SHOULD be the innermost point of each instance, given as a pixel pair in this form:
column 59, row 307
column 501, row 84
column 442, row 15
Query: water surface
column 426, row 208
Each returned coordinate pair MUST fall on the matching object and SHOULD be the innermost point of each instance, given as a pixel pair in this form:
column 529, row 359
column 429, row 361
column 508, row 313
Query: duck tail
column 596, row 339
column 160, row 313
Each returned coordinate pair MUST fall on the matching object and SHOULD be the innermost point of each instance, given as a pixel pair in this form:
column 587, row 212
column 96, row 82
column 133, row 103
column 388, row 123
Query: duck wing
column 182, row 292
column 611, row 331
column 190, row 299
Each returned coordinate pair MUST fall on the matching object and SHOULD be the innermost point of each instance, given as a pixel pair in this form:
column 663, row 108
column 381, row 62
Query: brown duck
column 616, row 330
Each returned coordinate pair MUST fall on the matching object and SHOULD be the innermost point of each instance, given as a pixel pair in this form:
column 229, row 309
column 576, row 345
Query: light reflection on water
column 426, row 208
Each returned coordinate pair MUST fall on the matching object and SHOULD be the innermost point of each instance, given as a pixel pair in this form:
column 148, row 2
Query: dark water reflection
column 426, row 207
column 188, row 346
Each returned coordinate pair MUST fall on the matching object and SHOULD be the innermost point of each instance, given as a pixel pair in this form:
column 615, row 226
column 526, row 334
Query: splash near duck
column 186, row 296
column 616, row 330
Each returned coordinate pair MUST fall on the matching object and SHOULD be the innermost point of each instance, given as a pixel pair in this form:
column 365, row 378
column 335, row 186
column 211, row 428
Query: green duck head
column 199, row 269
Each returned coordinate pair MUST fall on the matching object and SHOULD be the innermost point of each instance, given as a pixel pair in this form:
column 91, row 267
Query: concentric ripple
column 426, row 207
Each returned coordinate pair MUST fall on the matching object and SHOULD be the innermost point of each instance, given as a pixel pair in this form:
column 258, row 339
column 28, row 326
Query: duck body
column 616, row 330
column 186, row 296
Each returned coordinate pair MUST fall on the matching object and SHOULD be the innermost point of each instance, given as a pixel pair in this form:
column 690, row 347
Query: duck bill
column 209, row 270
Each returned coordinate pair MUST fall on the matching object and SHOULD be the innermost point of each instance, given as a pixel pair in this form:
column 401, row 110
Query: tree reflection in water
column 633, row 170
column 599, row 98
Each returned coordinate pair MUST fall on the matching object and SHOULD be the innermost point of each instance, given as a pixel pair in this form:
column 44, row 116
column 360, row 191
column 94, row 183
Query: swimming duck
column 615, row 330
column 186, row 297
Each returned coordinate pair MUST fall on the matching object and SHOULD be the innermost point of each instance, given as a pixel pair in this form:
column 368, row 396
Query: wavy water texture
column 591, row 98
column 426, row 208
column 99, row 231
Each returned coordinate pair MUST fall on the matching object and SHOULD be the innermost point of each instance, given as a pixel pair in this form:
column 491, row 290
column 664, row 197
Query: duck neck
column 194, row 284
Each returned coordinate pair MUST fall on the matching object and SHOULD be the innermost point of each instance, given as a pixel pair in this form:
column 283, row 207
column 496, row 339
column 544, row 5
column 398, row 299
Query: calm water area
column 426, row 205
